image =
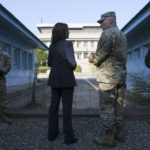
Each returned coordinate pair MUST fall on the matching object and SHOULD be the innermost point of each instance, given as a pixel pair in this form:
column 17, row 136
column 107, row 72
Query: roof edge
column 40, row 43
column 137, row 15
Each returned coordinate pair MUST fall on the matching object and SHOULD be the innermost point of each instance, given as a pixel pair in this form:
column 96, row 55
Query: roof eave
column 15, row 22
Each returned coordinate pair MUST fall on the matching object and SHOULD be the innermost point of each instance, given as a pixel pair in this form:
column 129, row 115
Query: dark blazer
column 62, row 62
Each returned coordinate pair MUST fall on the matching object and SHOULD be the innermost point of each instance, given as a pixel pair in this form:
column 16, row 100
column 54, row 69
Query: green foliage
column 78, row 68
column 42, row 57
column 138, row 88
column 43, row 69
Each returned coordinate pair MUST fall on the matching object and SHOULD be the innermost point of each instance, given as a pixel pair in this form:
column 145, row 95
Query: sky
column 33, row 12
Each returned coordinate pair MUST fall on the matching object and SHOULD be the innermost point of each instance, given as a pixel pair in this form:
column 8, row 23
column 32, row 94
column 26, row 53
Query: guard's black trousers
column 67, row 97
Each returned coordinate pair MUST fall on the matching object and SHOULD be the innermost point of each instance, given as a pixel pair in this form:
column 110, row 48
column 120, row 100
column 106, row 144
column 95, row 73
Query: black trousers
column 67, row 97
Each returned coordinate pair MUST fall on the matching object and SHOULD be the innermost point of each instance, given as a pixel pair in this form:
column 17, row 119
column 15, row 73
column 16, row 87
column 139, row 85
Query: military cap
column 105, row 15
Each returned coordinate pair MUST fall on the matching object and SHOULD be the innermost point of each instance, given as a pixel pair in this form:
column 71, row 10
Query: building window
column 138, row 53
column 130, row 56
column 96, row 43
column 92, row 44
column 30, row 60
column 85, row 55
column 45, row 30
column 24, row 60
column 9, row 51
column 78, row 55
column 78, row 44
column 127, row 57
column 85, row 44
column 16, row 58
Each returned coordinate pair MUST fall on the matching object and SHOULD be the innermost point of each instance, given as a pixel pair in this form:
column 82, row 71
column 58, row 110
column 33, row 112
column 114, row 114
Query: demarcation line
column 93, row 85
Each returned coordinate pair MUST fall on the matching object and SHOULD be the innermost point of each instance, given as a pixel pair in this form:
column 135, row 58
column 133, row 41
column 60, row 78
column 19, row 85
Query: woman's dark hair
column 59, row 32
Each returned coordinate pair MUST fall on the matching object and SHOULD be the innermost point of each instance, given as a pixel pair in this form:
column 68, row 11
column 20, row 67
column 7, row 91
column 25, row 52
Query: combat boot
column 5, row 119
column 107, row 140
column 119, row 135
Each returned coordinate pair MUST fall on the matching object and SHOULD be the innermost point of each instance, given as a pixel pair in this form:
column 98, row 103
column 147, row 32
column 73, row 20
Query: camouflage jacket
column 110, row 56
column 5, row 64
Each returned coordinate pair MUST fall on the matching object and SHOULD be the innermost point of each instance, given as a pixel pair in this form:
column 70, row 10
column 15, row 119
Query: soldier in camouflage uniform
column 5, row 67
column 110, row 58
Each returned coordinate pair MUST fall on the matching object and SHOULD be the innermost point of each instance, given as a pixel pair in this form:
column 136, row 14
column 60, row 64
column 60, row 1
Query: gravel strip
column 31, row 134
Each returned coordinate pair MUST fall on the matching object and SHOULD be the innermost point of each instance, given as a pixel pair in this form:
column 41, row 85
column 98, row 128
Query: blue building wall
column 137, row 31
column 138, row 44
column 21, row 45
column 23, row 58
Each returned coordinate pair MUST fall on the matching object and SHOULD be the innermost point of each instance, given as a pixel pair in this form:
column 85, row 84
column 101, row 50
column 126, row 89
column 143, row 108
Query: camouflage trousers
column 111, row 105
column 3, row 94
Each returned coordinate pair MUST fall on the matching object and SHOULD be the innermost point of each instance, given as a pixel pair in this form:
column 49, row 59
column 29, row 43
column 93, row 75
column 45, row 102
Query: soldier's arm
column 103, row 49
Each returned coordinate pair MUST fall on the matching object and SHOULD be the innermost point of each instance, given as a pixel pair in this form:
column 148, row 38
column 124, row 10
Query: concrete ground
column 85, row 100
column 31, row 134
column 30, row 123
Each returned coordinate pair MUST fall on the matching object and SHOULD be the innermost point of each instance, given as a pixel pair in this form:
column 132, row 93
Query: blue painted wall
column 137, row 31
column 20, row 43
column 138, row 44
column 23, row 57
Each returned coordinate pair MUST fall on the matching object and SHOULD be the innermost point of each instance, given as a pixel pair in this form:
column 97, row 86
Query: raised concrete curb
column 20, row 96
column 17, row 92
column 130, row 113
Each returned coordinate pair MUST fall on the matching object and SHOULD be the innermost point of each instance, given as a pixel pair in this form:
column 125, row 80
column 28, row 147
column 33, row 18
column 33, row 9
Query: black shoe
column 72, row 141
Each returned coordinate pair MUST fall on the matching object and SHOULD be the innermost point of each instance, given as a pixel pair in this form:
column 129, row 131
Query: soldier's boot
column 107, row 140
column 5, row 119
column 119, row 135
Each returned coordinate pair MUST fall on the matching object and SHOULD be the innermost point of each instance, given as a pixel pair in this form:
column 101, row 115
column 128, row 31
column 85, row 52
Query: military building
column 137, row 31
column 20, row 43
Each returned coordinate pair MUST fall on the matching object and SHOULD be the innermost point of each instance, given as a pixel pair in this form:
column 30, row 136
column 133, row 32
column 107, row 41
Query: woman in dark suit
column 62, row 81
